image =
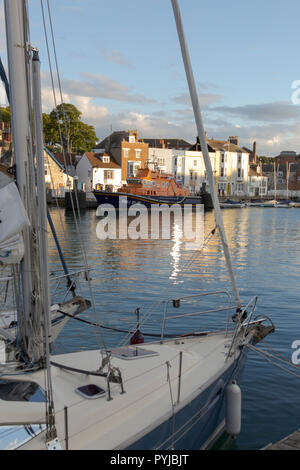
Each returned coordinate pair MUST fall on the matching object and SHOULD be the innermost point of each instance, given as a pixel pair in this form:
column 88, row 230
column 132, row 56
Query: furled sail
column 13, row 219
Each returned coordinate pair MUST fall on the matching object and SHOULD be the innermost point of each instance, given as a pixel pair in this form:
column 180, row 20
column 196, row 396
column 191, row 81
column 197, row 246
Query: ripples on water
column 265, row 248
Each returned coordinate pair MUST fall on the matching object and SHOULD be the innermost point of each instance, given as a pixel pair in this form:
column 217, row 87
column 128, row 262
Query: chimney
column 233, row 139
column 254, row 153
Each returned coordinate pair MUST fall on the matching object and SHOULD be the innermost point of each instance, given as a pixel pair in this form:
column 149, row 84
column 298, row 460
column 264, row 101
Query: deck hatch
column 132, row 353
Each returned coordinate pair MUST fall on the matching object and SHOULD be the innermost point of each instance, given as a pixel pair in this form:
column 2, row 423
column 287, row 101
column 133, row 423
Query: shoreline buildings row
column 238, row 171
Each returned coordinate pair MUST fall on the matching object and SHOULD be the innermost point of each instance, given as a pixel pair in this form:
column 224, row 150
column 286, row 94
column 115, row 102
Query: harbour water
column 130, row 274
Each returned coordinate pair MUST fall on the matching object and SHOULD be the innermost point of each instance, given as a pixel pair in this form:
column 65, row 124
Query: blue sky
column 120, row 64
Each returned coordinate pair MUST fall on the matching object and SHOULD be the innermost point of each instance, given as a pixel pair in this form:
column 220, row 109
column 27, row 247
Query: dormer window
column 106, row 159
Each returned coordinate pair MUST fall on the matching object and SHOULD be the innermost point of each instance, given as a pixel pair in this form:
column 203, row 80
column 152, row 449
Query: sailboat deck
column 147, row 399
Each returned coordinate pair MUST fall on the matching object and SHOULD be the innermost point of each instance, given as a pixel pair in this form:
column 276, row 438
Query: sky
column 120, row 64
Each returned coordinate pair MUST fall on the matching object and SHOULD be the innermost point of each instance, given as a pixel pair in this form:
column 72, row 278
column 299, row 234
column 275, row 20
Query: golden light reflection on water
column 265, row 248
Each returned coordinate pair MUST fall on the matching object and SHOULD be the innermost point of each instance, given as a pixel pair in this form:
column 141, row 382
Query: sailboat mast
column 29, row 337
column 17, row 51
column 287, row 178
column 41, row 194
column 275, row 181
column 202, row 137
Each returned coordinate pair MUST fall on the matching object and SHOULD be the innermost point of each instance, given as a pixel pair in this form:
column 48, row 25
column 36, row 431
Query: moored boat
column 230, row 204
column 150, row 187
column 285, row 204
column 272, row 203
column 254, row 203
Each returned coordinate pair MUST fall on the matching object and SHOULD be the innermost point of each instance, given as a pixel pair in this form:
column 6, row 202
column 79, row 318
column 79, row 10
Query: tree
column 5, row 114
column 265, row 159
column 64, row 123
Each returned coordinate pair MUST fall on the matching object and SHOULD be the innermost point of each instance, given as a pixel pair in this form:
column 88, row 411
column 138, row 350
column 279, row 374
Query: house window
column 108, row 175
column 133, row 168
column 89, row 173
column 106, row 159
column 239, row 172
column 126, row 153
column 195, row 162
column 138, row 153
column 239, row 159
column 222, row 171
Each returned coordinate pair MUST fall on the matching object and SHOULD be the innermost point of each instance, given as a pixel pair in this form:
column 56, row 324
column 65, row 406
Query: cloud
column 116, row 57
column 207, row 85
column 274, row 126
column 99, row 86
column 205, row 99
column 265, row 112
column 91, row 112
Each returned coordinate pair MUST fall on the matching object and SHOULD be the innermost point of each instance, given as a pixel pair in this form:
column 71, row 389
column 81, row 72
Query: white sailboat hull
column 154, row 413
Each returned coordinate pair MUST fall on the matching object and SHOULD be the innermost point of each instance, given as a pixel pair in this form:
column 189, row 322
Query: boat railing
column 177, row 302
column 243, row 327
column 63, row 285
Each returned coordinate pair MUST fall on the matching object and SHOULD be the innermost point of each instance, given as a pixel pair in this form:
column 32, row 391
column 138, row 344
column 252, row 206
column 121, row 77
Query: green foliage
column 77, row 136
column 5, row 114
column 265, row 159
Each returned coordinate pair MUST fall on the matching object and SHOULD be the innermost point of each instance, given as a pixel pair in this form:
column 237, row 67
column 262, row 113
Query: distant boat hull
column 229, row 204
column 105, row 197
column 226, row 205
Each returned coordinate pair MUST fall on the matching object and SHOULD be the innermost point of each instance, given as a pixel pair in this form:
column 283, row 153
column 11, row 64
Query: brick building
column 126, row 149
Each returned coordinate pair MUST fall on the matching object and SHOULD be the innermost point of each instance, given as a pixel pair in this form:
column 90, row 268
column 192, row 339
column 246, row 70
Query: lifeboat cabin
column 152, row 183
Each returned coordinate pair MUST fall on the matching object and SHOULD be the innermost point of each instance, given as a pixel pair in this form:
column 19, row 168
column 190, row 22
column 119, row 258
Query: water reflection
column 265, row 248
column 175, row 252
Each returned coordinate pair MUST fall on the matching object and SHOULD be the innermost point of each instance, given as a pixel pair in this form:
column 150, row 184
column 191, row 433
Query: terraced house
column 57, row 179
column 98, row 171
column 126, row 150
column 229, row 163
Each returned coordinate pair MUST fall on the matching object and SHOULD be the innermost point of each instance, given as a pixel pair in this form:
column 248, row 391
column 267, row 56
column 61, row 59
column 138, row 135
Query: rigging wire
column 272, row 358
column 152, row 308
column 99, row 338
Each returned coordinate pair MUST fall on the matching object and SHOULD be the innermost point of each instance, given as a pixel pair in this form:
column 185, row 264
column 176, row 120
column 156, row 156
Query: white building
column 98, row 171
column 232, row 163
column 257, row 183
column 189, row 169
column 160, row 159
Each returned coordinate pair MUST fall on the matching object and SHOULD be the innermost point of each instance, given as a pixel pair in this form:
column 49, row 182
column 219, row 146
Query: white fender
column 233, row 410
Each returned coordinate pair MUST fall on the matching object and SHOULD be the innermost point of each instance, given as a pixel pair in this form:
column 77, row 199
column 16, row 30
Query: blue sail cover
column 4, row 79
